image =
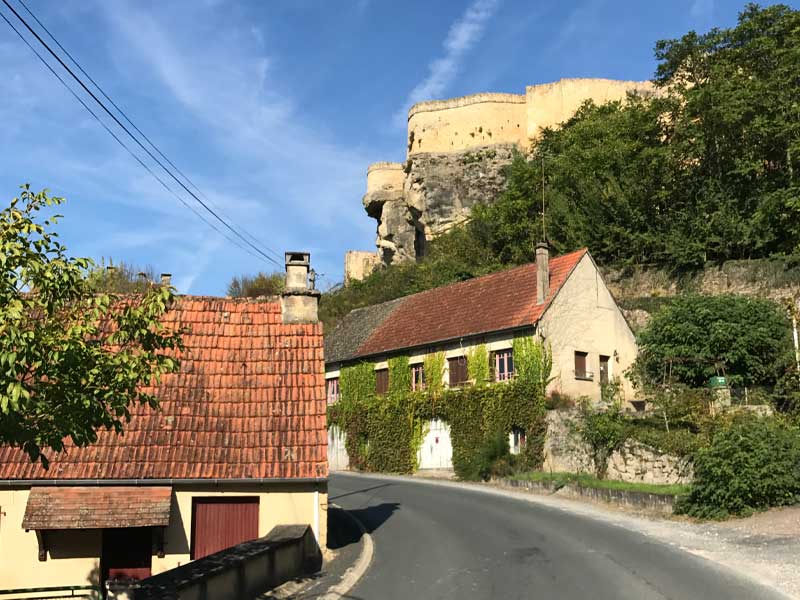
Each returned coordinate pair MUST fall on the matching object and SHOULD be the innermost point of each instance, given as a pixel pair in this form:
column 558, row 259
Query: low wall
column 661, row 503
column 565, row 452
column 242, row 571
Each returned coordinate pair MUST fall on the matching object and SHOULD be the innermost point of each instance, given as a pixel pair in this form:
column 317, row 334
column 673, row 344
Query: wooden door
column 219, row 523
column 127, row 553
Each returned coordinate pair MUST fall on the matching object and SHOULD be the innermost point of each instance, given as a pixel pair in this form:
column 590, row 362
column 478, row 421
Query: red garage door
column 219, row 523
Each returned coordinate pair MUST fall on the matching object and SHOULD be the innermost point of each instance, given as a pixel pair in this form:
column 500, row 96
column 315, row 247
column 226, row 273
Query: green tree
column 72, row 361
column 120, row 278
column 252, row 286
column 696, row 337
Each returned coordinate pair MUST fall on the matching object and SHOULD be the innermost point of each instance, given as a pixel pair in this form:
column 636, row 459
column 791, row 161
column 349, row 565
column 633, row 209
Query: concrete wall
column 460, row 123
column 584, row 317
column 73, row 556
column 549, row 104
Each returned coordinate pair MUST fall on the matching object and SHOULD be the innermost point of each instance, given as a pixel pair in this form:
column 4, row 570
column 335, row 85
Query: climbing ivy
column 385, row 433
column 478, row 365
column 434, row 373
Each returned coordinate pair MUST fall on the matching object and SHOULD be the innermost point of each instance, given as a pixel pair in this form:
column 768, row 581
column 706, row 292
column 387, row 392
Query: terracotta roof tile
column 242, row 372
column 494, row 302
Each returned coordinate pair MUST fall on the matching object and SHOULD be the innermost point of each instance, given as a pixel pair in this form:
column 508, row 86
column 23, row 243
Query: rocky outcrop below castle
column 456, row 151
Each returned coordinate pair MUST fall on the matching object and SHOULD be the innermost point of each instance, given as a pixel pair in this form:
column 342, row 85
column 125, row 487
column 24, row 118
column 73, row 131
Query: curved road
column 435, row 541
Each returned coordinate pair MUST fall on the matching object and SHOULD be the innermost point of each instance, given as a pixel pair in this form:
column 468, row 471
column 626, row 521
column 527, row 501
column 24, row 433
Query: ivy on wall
column 385, row 433
column 478, row 365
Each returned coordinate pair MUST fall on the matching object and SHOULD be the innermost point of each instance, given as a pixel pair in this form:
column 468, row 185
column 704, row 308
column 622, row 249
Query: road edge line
column 353, row 574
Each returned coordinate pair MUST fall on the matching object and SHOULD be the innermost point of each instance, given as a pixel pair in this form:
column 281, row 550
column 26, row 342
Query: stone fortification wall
column 549, row 104
column 467, row 122
column 456, row 152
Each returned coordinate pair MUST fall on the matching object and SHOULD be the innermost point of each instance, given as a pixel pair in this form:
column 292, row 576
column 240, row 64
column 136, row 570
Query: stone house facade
column 562, row 301
column 237, row 447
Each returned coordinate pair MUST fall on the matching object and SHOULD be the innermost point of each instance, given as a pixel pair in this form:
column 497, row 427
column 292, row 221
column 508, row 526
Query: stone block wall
column 565, row 451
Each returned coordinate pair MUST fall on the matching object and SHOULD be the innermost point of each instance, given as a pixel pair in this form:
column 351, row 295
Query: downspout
column 316, row 514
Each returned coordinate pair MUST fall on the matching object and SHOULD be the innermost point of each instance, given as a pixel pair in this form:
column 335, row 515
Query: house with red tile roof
column 237, row 446
column 563, row 301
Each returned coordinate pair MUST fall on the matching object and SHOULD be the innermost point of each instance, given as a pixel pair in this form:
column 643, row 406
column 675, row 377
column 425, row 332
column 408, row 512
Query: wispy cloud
column 702, row 11
column 461, row 38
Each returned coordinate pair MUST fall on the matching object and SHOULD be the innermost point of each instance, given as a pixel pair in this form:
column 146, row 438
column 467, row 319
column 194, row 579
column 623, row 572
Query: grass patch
column 585, row 480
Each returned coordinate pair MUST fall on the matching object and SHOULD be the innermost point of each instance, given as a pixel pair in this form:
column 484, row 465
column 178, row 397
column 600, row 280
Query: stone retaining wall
column 566, row 452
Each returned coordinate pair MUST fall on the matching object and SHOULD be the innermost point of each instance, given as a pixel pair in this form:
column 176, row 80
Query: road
column 435, row 542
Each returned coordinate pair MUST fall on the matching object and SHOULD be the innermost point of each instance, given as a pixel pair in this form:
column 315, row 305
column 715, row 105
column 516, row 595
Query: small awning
column 99, row 507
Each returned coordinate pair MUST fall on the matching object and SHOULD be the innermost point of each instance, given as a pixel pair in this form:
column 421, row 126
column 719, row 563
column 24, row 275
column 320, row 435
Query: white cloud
column 461, row 38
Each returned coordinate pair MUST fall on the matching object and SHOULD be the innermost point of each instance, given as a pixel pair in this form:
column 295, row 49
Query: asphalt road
column 436, row 542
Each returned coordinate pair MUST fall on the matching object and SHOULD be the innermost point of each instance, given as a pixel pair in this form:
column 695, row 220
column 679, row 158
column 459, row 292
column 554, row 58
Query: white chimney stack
column 299, row 300
column 166, row 279
column 542, row 272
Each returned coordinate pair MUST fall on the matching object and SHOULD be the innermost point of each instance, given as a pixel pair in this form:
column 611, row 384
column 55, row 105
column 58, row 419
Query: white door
column 436, row 451
column 338, row 460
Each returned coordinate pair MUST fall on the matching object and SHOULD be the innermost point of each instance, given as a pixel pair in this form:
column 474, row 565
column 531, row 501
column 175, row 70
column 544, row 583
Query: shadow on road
column 361, row 491
column 371, row 518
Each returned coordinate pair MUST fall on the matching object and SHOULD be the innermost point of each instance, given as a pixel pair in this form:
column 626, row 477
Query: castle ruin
column 456, row 152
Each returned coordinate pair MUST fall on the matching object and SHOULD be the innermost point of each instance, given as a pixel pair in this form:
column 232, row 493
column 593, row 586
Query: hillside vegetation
column 704, row 172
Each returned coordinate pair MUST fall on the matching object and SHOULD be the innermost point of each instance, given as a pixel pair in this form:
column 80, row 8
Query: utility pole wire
column 134, row 138
column 121, row 143
column 132, row 124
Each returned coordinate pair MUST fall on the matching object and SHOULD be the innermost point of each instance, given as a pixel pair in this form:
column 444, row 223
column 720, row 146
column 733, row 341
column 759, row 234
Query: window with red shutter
column 580, row 366
column 382, row 381
column 417, row 377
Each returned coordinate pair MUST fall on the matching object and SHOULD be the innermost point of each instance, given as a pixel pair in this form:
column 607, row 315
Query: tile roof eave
column 521, row 327
column 153, row 482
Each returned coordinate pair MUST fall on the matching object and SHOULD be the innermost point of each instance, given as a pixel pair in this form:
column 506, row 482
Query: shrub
column 492, row 458
column 603, row 430
column 751, row 465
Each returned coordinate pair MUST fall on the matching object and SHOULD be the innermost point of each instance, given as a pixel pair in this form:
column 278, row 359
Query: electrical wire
column 121, row 143
column 133, row 125
column 127, row 131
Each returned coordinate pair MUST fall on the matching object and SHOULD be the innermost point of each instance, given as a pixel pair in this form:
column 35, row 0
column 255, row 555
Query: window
column 457, row 368
column 503, row 365
column 604, row 372
column 417, row 377
column 580, row 366
column 332, row 389
column 382, row 381
column 516, row 440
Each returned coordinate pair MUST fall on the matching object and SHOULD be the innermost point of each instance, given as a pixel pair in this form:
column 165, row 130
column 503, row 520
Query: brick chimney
column 542, row 272
column 300, row 299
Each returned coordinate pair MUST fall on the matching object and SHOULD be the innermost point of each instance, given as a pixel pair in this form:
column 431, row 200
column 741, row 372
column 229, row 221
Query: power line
column 134, row 138
column 121, row 143
column 132, row 124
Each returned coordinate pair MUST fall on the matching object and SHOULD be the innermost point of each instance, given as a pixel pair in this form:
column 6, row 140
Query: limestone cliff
column 456, row 152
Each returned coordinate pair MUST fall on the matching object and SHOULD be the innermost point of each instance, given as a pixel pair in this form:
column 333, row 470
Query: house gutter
column 150, row 482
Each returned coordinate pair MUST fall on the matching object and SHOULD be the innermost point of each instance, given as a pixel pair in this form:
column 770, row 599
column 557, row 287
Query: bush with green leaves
column 751, row 465
column 697, row 337
column 604, row 430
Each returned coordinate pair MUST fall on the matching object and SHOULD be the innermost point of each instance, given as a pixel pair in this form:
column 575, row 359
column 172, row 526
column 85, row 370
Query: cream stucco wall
column 584, row 317
column 470, row 121
column 73, row 556
column 549, row 104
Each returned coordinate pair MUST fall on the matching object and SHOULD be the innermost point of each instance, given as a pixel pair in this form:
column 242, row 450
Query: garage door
column 219, row 523
column 436, row 451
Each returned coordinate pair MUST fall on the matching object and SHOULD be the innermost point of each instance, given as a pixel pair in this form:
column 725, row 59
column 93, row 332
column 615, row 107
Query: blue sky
column 274, row 108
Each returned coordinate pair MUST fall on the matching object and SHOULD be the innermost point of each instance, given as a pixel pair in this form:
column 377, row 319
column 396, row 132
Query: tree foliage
column 121, row 278
column 72, row 361
column 253, row 286
column 697, row 337
column 706, row 170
